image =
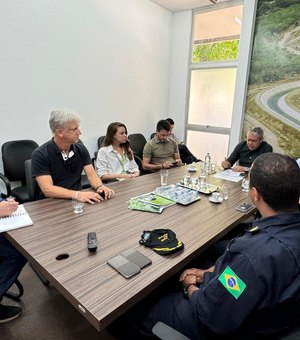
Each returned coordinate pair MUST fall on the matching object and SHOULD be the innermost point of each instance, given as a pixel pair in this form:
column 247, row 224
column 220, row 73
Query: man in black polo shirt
column 246, row 152
column 57, row 165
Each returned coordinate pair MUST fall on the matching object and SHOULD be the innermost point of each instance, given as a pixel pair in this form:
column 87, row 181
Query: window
column 213, row 69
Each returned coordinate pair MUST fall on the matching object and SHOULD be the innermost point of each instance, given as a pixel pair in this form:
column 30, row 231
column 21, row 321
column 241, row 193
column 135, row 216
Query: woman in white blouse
column 115, row 159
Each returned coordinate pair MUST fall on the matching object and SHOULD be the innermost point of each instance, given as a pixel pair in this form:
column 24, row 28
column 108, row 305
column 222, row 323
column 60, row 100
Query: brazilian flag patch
column 232, row 282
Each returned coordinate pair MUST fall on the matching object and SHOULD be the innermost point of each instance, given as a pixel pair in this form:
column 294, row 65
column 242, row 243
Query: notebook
column 17, row 219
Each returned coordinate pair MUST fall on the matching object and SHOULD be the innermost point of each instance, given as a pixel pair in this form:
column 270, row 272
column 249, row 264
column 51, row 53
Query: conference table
column 56, row 243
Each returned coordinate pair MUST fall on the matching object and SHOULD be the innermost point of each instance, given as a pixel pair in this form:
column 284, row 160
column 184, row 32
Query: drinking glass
column 225, row 191
column 202, row 178
column 186, row 180
column 245, row 184
column 194, row 182
column 164, row 176
column 77, row 205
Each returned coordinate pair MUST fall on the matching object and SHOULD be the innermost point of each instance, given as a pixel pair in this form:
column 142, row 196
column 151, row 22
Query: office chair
column 15, row 296
column 84, row 181
column 100, row 141
column 14, row 155
column 152, row 135
column 6, row 185
column 32, row 185
column 165, row 332
column 137, row 142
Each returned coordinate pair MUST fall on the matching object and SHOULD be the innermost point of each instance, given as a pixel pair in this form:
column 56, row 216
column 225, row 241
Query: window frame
column 242, row 65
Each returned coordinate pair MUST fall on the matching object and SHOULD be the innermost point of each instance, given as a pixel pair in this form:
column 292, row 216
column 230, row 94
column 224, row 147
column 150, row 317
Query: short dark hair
column 171, row 121
column 277, row 178
column 163, row 125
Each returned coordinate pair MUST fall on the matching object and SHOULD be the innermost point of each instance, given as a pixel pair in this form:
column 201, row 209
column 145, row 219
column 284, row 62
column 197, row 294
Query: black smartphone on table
column 244, row 207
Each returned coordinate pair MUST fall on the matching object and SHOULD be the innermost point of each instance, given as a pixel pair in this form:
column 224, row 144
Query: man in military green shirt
column 161, row 152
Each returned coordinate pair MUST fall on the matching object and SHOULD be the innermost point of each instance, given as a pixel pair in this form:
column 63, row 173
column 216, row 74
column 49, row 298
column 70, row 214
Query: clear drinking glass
column 186, row 180
column 194, row 182
column 225, row 191
column 77, row 205
column 164, row 176
column 202, row 178
column 245, row 184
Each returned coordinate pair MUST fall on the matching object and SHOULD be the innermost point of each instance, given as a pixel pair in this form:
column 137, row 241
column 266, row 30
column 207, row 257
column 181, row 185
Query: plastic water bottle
column 207, row 161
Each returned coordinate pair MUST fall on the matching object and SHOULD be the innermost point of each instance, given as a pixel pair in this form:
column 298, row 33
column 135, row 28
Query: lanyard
column 121, row 160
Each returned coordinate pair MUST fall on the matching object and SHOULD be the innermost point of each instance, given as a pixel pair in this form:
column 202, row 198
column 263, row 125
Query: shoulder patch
column 232, row 282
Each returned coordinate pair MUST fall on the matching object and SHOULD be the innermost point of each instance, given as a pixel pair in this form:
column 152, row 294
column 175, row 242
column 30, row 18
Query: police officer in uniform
column 254, row 287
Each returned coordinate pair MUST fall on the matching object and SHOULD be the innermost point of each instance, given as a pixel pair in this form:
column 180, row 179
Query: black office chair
column 14, row 155
column 84, row 180
column 6, row 185
column 137, row 142
column 165, row 332
column 100, row 141
column 152, row 135
column 13, row 294
column 32, row 185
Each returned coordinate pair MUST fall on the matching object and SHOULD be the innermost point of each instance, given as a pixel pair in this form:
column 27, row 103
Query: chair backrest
column 137, row 142
column 14, row 154
column 152, row 135
column 100, row 141
column 4, row 183
column 32, row 185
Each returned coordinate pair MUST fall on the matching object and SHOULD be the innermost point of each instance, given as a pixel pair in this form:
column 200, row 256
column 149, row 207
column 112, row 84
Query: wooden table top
column 84, row 278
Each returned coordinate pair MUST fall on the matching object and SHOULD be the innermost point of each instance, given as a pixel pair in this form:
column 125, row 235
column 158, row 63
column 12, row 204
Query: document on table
column 17, row 219
column 229, row 175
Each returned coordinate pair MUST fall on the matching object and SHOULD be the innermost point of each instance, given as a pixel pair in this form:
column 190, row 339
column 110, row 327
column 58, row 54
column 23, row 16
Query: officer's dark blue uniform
column 255, row 286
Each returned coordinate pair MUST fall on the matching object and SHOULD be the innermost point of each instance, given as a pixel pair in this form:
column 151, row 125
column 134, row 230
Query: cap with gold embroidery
column 162, row 241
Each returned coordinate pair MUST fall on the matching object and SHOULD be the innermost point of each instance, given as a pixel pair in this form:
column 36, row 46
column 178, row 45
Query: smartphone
column 123, row 266
column 136, row 257
column 244, row 207
column 174, row 163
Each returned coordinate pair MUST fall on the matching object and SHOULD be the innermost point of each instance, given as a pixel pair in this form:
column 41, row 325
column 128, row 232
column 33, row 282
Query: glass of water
column 164, row 176
column 77, row 206
column 245, row 184
column 225, row 191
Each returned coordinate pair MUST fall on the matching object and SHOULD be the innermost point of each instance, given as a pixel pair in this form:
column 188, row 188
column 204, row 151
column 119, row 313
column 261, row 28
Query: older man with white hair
column 57, row 165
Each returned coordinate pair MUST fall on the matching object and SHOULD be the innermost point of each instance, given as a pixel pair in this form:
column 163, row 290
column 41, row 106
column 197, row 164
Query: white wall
column 106, row 59
column 181, row 37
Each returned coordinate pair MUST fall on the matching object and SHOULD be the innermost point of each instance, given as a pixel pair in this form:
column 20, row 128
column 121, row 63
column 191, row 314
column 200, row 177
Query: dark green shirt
column 245, row 156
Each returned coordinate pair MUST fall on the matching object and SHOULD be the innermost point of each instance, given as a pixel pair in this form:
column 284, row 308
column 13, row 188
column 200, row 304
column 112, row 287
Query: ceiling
column 181, row 5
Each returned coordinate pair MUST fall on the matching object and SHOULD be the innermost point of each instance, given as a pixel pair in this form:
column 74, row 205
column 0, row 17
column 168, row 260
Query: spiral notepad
column 17, row 219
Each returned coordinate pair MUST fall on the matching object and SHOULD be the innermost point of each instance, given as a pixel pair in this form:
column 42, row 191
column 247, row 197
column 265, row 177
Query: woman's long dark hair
column 109, row 138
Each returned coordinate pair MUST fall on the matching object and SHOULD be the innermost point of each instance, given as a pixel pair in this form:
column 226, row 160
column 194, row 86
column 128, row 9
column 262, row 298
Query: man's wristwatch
column 185, row 289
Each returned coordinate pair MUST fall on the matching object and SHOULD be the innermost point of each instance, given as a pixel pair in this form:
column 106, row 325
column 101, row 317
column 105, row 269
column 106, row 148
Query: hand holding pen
column 226, row 164
column 8, row 206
